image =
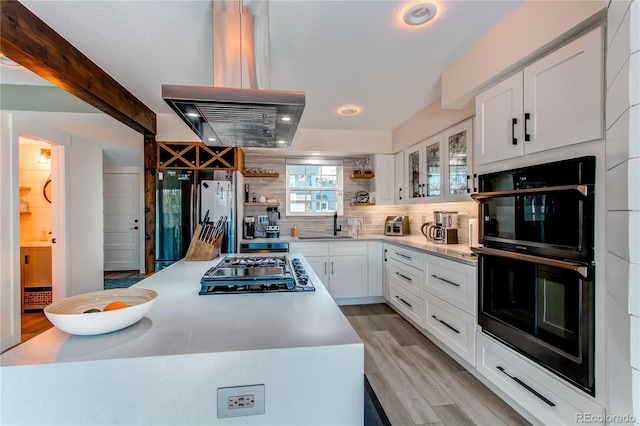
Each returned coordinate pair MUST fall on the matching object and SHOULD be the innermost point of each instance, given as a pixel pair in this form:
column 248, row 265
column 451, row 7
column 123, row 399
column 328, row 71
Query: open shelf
column 363, row 204
column 262, row 175
column 25, row 213
column 25, row 188
column 362, row 176
column 276, row 204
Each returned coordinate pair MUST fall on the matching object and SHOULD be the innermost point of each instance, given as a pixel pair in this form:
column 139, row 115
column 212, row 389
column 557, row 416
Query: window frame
column 315, row 162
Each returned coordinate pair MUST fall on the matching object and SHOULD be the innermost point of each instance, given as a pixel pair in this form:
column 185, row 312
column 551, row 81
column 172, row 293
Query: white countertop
column 183, row 322
column 458, row 252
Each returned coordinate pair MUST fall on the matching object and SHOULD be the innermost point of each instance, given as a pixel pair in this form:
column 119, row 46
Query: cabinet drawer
column 406, row 256
column 406, row 302
column 453, row 282
column 502, row 367
column 453, row 327
column 310, row 249
column 347, row 248
column 410, row 277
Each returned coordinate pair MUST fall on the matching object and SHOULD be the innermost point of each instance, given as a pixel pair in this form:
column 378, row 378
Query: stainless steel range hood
column 239, row 110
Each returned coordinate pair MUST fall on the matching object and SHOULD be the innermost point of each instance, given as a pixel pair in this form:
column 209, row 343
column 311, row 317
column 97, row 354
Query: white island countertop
column 166, row 368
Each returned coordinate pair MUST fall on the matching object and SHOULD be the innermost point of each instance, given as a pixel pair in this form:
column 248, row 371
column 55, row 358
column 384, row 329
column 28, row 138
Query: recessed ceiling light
column 420, row 13
column 349, row 110
column 286, row 118
column 281, row 142
column 193, row 114
column 315, row 153
column 212, row 139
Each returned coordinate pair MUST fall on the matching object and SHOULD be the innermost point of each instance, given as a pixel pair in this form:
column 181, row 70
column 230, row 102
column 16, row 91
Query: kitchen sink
column 324, row 237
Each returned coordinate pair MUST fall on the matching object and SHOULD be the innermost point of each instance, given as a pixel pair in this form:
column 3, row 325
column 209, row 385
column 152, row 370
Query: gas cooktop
column 256, row 274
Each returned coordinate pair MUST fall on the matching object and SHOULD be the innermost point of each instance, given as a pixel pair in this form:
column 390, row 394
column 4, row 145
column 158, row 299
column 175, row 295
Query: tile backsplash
column 374, row 215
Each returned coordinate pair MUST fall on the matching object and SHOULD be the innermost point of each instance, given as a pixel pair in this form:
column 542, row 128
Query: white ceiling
column 338, row 52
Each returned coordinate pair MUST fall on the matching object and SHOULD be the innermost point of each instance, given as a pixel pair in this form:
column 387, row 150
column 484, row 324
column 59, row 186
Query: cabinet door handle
column 325, row 268
column 385, row 255
column 26, row 259
column 475, row 182
column 514, row 140
column 403, row 276
column 468, row 186
column 400, row 193
column 332, row 267
column 444, row 323
column 445, row 280
column 404, row 301
column 404, row 256
column 527, row 387
column 527, row 136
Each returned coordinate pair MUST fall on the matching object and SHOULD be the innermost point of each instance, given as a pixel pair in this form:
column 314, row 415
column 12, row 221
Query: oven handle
column 580, row 268
column 582, row 189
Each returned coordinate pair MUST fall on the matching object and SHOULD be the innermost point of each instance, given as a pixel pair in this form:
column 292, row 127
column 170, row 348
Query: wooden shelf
column 363, row 204
column 25, row 213
column 276, row 204
column 363, row 176
column 25, row 188
column 262, row 175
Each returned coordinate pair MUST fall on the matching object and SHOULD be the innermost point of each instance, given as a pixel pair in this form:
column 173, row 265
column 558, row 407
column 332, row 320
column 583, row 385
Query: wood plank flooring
column 33, row 323
column 415, row 381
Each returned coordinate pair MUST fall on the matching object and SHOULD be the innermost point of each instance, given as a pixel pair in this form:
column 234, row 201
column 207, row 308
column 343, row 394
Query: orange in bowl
column 118, row 304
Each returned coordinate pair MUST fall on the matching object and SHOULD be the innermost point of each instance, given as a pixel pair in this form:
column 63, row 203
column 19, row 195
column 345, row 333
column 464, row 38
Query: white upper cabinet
column 383, row 185
column 424, row 171
column 458, row 173
column 554, row 102
column 400, row 193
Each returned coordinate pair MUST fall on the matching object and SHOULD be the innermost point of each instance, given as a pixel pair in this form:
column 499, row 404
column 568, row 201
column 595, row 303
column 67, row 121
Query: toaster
column 396, row 225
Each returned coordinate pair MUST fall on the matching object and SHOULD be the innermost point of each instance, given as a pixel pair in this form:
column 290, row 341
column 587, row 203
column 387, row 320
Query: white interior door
column 122, row 222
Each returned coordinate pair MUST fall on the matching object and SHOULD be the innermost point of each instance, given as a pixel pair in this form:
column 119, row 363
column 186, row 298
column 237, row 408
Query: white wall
column 532, row 28
column 623, row 208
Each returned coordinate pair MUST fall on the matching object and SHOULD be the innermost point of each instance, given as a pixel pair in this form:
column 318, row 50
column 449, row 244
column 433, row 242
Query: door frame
column 140, row 172
column 17, row 127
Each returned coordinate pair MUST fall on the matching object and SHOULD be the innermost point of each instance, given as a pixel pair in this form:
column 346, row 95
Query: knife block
column 202, row 250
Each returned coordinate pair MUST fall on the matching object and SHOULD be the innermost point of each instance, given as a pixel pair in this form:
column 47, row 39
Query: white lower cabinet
column 343, row 267
column 453, row 282
column 405, row 301
column 545, row 396
column 452, row 326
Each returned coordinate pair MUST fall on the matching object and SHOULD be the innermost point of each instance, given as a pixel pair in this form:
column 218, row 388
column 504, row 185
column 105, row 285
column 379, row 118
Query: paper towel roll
column 473, row 232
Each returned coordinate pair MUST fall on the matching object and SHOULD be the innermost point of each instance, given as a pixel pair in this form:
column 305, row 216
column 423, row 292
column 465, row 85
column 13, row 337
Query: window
column 314, row 187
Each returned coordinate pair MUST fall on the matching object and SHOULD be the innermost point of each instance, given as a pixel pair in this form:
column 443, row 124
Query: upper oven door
column 555, row 222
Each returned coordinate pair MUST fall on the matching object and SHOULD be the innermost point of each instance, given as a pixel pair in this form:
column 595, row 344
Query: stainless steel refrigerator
column 183, row 198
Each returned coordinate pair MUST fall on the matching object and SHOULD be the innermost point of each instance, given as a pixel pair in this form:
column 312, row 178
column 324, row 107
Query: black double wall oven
column 536, row 264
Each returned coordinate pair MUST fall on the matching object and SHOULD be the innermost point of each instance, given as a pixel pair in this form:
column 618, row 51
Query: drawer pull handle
column 404, row 301
column 403, row 276
column 527, row 387
column 445, row 280
column 404, row 256
column 444, row 323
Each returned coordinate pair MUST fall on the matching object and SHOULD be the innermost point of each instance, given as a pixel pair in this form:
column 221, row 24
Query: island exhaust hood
column 239, row 110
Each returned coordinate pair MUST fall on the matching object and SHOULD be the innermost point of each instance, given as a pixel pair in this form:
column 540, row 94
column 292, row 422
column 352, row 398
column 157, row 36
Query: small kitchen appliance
column 273, row 229
column 249, row 227
column 256, row 274
column 444, row 228
column 396, row 225
column 445, row 219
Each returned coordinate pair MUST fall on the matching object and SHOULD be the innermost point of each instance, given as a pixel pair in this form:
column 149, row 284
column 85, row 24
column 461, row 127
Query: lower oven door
column 542, row 308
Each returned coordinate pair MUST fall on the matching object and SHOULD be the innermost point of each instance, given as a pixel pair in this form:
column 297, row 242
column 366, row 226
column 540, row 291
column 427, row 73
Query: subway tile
column 617, row 278
column 619, row 34
column 618, row 95
column 623, row 138
column 623, row 234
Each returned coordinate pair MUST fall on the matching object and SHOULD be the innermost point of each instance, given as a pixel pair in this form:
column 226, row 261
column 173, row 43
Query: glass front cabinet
column 439, row 168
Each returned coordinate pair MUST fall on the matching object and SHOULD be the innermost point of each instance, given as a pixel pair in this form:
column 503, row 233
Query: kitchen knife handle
column 514, row 140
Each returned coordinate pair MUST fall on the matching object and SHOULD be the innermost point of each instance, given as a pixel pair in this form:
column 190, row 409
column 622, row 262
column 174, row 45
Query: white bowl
column 68, row 314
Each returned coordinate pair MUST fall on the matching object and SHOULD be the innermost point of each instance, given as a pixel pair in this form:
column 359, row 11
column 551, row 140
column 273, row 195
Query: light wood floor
column 415, row 381
column 34, row 323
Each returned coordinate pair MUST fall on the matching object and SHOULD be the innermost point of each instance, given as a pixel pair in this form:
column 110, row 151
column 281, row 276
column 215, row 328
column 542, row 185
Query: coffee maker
column 249, row 227
column 273, row 229
column 444, row 228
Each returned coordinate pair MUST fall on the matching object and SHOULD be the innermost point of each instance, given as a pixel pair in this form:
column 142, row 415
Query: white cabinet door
column 414, row 174
column 320, row 265
column 458, row 161
column 375, row 268
column 383, row 185
column 348, row 276
column 399, row 192
column 499, row 126
column 563, row 95
column 433, row 149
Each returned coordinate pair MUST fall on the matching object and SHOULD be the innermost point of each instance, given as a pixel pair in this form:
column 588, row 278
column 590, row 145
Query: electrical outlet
column 263, row 219
column 366, row 220
column 240, row 401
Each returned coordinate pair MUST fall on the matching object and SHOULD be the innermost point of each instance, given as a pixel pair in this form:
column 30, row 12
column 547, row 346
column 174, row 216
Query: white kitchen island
column 166, row 369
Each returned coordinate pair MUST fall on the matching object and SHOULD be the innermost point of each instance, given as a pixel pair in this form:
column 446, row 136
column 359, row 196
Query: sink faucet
column 336, row 228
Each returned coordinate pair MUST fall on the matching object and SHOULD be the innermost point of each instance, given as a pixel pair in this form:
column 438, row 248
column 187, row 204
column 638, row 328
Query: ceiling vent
column 239, row 110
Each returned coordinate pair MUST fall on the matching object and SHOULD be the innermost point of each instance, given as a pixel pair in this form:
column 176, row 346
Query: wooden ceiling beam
column 29, row 41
